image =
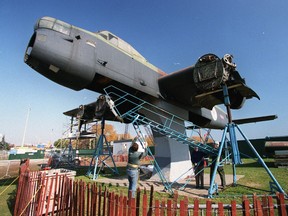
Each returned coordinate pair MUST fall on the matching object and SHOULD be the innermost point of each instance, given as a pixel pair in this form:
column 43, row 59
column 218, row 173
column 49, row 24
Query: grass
column 7, row 196
column 255, row 180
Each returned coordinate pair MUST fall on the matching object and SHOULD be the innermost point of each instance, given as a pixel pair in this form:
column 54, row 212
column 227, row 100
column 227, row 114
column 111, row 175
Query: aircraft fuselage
column 79, row 59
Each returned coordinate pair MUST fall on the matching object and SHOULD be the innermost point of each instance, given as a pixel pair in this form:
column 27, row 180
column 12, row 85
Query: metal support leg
column 260, row 160
column 213, row 186
column 99, row 152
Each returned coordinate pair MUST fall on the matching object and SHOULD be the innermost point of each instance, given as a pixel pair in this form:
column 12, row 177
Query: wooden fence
column 58, row 194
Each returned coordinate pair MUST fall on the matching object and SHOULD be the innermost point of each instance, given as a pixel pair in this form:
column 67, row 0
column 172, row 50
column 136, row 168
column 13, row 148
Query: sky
column 169, row 34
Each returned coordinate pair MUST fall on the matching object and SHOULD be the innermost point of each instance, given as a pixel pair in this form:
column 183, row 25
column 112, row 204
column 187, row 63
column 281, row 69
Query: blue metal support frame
column 214, row 186
column 274, row 185
column 96, row 159
column 236, row 159
column 123, row 98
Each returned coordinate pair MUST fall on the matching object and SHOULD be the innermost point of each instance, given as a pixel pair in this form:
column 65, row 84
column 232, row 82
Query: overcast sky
column 169, row 34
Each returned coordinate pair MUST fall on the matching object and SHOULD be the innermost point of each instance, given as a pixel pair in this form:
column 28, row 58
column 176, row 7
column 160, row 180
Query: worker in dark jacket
column 197, row 158
column 133, row 165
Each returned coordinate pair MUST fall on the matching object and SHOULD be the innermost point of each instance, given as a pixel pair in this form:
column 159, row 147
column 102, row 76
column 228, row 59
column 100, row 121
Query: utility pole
column 26, row 123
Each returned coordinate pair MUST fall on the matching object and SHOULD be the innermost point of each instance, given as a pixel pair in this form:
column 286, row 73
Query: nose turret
column 55, row 53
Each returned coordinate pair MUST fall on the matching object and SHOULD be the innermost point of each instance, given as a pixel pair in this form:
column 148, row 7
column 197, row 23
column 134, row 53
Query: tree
column 109, row 131
column 61, row 143
column 3, row 144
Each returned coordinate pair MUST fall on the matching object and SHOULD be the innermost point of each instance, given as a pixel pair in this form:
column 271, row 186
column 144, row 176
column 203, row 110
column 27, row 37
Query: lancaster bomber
column 80, row 59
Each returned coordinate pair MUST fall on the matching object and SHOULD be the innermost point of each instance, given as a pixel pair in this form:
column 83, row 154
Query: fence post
column 183, row 209
column 265, row 205
column 259, row 208
column 111, row 207
column 151, row 201
column 208, row 208
column 88, row 194
column 271, row 206
column 157, row 210
column 75, row 197
column 133, row 207
column 255, row 204
column 41, row 195
column 196, row 207
column 105, row 197
column 281, row 204
column 144, row 203
column 71, row 198
column 233, row 208
column 117, row 205
column 245, row 206
column 162, row 208
column 138, row 201
column 82, row 204
column 99, row 200
column 169, row 207
column 120, row 205
column 20, row 187
column 175, row 201
column 125, row 201
column 94, row 199
column 65, row 195
column 220, row 209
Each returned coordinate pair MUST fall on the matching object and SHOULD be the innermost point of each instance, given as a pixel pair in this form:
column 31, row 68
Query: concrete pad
column 189, row 190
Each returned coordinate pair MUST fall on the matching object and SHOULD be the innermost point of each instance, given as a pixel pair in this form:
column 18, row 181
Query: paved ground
column 183, row 187
column 10, row 168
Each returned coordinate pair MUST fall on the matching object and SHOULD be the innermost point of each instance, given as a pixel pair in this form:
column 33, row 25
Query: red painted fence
column 59, row 194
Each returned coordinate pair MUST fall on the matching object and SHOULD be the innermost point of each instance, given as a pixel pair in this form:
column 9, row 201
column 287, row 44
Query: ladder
column 122, row 98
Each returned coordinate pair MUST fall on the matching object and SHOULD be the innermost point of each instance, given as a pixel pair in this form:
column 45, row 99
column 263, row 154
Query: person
column 220, row 168
column 197, row 158
column 132, row 166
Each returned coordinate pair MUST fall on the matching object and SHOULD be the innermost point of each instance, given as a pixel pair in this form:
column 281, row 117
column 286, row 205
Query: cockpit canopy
column 65, row 28
column 54, row 24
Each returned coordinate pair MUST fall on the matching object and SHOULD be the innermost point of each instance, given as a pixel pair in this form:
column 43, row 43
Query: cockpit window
column 42, row 23
column 56, row 25
column 62, row 27
column 121, row 44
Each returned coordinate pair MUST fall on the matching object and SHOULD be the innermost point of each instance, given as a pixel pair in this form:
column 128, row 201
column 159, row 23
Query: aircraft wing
column 201, row 85
column 91, row 111
column 255, row 119
column 86, row 112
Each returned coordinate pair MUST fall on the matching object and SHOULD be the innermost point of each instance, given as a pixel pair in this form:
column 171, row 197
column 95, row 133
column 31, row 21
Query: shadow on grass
column 251, row 189
column 269, row 164
column 11, row 201
column 105, row 172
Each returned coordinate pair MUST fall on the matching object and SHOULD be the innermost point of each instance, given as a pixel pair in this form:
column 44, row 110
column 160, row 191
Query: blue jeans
column 132, row 178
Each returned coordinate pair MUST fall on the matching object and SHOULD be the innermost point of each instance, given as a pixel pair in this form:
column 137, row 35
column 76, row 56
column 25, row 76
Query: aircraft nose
column 55, row 58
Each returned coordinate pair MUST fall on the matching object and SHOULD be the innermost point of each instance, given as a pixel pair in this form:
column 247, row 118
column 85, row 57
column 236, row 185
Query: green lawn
column 7, row 196
column 255, row 180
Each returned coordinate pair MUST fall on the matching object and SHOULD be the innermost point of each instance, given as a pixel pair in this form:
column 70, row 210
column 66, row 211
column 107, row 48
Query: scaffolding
column 100, row 156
